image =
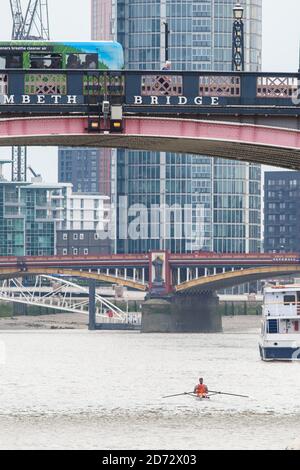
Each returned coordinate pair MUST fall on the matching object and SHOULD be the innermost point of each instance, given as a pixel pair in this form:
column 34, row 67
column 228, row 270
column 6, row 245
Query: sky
column 70, row 20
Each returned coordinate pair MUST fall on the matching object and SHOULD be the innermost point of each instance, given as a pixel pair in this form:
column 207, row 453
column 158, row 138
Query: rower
column 201, row 389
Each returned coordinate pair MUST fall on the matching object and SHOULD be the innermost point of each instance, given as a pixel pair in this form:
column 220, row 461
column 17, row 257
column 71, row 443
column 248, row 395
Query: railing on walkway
column 148, row 91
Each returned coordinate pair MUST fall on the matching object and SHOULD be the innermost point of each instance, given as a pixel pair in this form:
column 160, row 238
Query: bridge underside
column 280, row 157
column 234, row 278
column 244, row 142
column 12, row 273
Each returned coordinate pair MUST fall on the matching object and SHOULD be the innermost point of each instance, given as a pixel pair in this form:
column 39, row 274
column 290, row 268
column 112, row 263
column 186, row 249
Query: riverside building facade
column 32, row 214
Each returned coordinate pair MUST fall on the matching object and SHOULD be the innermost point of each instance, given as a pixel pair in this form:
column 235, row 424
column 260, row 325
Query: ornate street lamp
column 238, row 49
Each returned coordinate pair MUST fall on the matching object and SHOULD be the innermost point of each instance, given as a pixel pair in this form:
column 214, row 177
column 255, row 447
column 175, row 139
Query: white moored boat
column 280, row 332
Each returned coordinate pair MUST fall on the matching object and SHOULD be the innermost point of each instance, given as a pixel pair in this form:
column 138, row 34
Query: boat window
column 10, row 61
column 82, row 61
column 272, row 326
column 45, row 61
column 289, row 299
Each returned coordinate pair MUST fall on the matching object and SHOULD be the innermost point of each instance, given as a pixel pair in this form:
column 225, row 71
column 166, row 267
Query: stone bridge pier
column 182, row 313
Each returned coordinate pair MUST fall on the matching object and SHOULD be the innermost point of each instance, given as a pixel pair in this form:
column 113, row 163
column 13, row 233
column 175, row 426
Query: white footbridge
column 60, row 294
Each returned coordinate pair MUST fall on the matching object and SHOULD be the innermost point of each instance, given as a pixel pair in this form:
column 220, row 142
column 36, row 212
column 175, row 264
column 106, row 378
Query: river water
column 103, row 390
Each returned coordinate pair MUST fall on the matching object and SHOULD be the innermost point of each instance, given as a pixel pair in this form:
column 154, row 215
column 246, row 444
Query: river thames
column 74, row 389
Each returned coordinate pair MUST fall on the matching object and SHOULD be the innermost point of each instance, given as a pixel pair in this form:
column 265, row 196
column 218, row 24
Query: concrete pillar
column 182, row 314
column 197, row 273
column 178, row 276
column 188, row 274
column 215, row 271
column 125, row 273
column 92, row 305
column 143, row 275
column 205, row 272
column 134, row 274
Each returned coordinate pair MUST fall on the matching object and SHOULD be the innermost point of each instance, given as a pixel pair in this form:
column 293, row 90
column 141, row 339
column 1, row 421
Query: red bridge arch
column 246, row 142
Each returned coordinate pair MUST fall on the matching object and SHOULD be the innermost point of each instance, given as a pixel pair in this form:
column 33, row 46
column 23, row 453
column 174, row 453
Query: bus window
column 11, row 61
column 45, row 61
column 82, row 61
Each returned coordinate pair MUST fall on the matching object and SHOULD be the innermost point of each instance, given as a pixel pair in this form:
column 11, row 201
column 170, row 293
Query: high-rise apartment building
column 229, row 191
column 102, row 22
column 282, row 211
column 200, row 32
column 89, row 170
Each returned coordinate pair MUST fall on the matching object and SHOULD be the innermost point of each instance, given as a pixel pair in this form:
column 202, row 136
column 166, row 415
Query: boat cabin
column 281, row 309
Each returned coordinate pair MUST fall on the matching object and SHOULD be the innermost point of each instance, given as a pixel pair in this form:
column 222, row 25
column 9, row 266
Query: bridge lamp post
column 238, row 48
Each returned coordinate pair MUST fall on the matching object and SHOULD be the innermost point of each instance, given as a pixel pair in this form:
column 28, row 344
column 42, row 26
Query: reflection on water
column 103, row 390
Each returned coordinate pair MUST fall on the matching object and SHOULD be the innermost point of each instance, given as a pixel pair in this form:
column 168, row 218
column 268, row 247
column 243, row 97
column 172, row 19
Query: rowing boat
column 199, row 398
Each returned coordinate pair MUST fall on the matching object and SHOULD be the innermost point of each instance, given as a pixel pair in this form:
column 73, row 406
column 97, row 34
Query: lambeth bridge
column 250, row 117
column 181, row 288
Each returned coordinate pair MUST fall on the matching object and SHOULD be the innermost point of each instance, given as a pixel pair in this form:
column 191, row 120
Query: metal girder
column 61, row 294
column 17, row 17
column 34, row 26
column 19, row 163
column 35, row 23
column 219, row 281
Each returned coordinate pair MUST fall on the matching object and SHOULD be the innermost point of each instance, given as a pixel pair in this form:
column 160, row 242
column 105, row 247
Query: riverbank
column 69, row 321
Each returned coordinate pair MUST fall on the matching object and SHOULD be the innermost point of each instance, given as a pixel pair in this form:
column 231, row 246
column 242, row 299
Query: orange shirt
column 201, row 389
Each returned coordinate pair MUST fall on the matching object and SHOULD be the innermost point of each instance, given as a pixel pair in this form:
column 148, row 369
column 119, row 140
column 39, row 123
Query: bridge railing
column 147, row 91
column 211, row 89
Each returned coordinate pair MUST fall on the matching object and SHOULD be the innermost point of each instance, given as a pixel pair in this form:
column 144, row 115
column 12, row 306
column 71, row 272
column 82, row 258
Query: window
column 3, row 84
column 75, row 251
column 65, row 251
column 11, row 61
column 96, row 236
column 65, row 236
column 272, row 326
column 75, row 236
column 45, row 61
column 82, row 61
column 81, row 236
column 86, row 251
column 289, row 299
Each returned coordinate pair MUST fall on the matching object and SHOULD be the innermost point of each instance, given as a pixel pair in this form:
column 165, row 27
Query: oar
column 224, row 393
column 178, row 394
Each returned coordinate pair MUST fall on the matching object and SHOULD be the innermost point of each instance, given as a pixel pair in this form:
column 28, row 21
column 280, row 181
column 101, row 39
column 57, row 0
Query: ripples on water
column 103, row 390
